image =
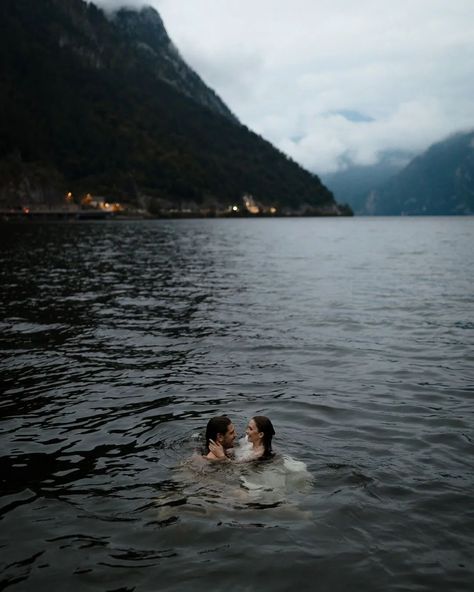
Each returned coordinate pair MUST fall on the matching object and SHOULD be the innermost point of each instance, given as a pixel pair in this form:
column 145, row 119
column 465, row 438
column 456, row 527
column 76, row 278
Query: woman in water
column 259, row 434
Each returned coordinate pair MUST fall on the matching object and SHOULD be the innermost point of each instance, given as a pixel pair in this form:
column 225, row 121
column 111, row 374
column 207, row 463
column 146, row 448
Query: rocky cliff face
column 145, row 30
column 28, row 184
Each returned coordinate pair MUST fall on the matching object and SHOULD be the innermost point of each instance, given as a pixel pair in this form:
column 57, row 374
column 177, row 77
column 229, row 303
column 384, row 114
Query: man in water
column 221, row 431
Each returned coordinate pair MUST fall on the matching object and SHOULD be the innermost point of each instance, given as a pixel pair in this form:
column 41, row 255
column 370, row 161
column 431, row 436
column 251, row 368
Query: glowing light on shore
column 250, row 205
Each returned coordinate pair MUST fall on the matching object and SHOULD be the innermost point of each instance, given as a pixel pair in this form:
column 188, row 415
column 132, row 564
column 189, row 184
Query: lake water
column 119, row 340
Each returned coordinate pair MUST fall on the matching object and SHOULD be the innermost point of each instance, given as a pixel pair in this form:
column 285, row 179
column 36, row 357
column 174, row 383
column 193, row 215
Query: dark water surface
column 120, row 340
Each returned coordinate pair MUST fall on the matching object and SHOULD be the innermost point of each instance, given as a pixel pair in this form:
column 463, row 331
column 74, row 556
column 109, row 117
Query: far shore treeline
column 101, row 105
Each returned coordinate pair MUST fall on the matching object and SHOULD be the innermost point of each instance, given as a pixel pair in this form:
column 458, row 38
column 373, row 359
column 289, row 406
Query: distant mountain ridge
column 353, row 184
column 438, row 182
column 107, row 106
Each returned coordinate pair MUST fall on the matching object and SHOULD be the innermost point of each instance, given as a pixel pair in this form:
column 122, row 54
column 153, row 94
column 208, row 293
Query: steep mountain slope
column 146, row 32
column 106, row 106
column 439, row 182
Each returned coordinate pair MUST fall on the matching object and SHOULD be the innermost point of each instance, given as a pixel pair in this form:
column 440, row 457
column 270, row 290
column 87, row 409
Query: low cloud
column 111, row 5
column 332, row 141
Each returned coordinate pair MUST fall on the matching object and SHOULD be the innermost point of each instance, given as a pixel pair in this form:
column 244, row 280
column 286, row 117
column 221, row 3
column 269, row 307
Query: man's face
column 227, row 439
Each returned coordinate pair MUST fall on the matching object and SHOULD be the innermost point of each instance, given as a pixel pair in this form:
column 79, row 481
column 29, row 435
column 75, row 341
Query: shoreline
column 33, row 217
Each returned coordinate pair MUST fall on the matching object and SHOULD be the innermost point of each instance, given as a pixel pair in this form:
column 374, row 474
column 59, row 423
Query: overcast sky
column 331, row 80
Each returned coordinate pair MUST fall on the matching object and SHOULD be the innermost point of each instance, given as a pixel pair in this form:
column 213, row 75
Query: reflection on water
column 118, row 342
column 219, row 491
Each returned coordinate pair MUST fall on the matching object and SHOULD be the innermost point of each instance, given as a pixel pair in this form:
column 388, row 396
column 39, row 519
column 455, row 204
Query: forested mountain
column 438, row 182
column 105, row 105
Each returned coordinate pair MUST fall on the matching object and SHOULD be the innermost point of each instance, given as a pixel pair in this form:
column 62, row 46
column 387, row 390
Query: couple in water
column 220, row 436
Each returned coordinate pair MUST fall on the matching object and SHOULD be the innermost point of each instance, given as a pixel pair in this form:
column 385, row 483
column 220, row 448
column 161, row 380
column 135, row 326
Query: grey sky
column 327, row 80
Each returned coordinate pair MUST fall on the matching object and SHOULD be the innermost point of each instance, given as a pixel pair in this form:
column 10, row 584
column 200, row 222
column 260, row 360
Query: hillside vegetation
column 95, row 104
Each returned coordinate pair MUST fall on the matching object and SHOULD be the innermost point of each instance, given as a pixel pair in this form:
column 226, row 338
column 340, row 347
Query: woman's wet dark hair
column 216, row 425
column 265, row 425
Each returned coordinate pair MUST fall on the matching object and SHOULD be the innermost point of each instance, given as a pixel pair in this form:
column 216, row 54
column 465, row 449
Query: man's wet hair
column 216, row 425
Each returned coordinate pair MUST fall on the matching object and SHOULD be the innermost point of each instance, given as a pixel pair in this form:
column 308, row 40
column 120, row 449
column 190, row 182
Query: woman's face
column 252, row 432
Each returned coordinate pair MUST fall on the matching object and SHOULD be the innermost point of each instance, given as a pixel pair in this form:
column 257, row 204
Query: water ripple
column 119, row 341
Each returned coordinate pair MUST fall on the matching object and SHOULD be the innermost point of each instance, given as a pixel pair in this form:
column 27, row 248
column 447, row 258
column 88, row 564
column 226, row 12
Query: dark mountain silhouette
column 106, row 105
column 147, row 34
